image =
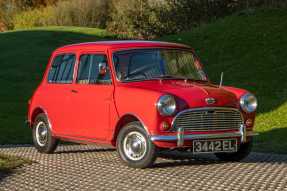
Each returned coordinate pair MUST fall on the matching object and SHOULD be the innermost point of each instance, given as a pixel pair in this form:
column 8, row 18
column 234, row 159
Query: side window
column 62, row 69
column 93, row 69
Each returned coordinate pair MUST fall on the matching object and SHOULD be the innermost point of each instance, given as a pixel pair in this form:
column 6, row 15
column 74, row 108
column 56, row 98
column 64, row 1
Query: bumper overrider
column 181, row 137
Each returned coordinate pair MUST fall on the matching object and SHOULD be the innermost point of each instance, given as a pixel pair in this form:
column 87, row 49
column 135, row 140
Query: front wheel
column 243, row 151
column 134, row 147
column 43, row 140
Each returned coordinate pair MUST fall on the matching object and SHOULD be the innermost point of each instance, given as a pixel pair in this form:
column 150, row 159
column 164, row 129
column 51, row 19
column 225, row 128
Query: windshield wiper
column 132, row 80
column 163, row 77
column 168, row 77
column 172, row 77
column 198, row 80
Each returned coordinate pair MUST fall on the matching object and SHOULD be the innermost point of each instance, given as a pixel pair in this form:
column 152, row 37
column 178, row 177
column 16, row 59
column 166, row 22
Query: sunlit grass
column 8, row 163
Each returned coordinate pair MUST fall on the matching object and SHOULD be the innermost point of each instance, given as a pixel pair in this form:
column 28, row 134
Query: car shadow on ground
column 175, row 161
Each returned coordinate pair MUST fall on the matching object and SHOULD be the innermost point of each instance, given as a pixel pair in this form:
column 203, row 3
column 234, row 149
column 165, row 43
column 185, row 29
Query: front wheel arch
column 124, row 120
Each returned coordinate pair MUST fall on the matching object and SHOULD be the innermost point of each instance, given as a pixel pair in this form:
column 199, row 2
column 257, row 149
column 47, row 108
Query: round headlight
column 248, row 103
column 166, row 105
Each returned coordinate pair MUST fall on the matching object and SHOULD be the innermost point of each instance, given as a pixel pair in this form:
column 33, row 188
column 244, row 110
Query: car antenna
column 221, row 79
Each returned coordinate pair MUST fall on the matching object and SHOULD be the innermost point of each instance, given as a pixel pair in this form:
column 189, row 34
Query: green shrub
column 145, row 18
column 9, row 8
column 132, row 18
column 89, row 13
column 34, row 18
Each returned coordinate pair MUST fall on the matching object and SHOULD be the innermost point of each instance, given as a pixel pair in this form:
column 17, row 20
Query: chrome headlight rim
column 248, row 103
column 166, row 105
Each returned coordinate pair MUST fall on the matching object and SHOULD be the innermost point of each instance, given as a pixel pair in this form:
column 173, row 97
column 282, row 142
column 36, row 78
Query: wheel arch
column 125, row 119
column 36, row 112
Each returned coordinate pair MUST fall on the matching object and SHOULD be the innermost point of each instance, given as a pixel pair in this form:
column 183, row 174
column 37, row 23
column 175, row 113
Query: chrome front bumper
column 180, row 137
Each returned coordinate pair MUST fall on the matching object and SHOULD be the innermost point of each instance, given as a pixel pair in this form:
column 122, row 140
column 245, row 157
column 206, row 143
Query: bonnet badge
column 210, row 100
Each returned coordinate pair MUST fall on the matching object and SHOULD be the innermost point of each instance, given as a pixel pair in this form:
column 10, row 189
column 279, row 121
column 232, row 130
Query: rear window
column 62, row 69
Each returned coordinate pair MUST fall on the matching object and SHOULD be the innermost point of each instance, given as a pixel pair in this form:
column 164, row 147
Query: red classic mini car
column 140, row 97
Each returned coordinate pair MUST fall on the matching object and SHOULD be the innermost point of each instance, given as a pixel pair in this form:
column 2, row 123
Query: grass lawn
column 9, row 163
column 249, row 47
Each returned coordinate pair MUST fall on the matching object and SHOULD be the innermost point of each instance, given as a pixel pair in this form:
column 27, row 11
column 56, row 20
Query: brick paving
column 91, row 167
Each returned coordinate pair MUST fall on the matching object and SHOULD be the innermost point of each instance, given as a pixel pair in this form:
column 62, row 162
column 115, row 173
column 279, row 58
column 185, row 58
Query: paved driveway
column 83, row 167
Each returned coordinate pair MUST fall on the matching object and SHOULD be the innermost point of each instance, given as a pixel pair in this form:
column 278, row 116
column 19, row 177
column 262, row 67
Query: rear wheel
column 134, row 147
column 243, row 151
column 43, row 140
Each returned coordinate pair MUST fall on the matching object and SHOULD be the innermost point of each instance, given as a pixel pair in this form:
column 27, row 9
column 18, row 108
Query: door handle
column 74, row 91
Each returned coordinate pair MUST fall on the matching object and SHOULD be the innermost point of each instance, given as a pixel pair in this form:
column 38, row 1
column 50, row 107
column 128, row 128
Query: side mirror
column 103, row 68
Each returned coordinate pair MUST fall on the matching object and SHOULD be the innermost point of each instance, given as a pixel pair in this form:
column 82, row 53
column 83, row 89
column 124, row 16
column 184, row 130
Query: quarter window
column 93, row 69
column 62, row 69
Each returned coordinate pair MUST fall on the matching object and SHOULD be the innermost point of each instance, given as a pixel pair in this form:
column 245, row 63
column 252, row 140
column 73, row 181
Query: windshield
column 149, row 64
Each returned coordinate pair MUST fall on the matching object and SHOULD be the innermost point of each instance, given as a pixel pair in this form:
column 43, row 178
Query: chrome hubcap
column 135, row 146
column 41, row 133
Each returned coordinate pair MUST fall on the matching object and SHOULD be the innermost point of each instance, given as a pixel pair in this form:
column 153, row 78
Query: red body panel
column 90, row 115
column 91, row 112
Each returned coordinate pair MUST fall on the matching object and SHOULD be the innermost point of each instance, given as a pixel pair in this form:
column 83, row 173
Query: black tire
column 243, row 151
column 148, row 157
column 50, row 143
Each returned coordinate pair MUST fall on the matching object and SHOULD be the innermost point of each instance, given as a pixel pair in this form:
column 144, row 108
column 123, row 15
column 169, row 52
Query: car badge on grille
column 210, row 100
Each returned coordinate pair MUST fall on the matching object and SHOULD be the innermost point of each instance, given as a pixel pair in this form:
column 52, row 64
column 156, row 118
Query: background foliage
column 133, row 18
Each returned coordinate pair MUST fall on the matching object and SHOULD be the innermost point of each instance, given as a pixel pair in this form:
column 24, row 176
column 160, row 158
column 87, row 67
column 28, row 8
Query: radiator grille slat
column 209, row 119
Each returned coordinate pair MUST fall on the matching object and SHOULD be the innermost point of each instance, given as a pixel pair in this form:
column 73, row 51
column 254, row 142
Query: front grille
column 208, row 119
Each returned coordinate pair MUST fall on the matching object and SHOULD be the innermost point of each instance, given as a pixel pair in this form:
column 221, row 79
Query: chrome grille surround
column 208, row 119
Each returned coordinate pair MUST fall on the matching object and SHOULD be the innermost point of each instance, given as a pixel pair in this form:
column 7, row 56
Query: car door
column 56, row 92
column 92, row 97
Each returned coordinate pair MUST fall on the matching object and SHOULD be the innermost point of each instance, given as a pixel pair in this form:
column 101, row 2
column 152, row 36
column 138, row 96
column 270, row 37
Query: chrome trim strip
column 180, row 137
column 194, row 136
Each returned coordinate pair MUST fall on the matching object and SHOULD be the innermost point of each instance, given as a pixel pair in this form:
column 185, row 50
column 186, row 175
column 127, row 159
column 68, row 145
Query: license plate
column 214, row 146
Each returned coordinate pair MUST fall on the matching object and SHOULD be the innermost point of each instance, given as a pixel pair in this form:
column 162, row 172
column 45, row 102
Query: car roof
column 119, row 44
